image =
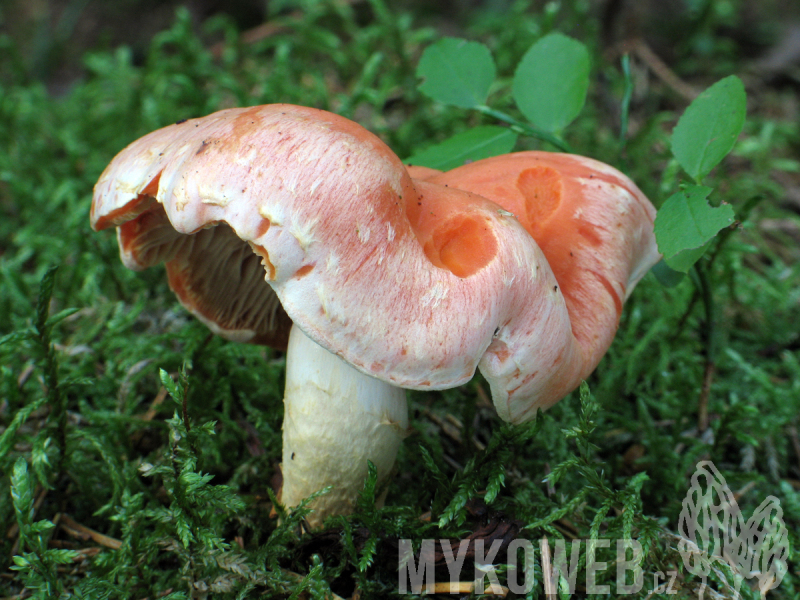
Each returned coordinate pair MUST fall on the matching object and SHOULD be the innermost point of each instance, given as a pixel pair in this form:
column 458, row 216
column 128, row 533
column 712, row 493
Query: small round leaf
column 709, row 127
column 456, row 72
column 551, row 81
column 686, row 224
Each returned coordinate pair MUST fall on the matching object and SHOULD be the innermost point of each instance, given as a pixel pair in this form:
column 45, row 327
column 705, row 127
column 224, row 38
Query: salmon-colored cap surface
column 593, row 224
column 415, row 282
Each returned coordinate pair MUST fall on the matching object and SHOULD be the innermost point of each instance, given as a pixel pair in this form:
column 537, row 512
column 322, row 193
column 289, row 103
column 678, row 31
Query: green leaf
column 45, row 293
column 456, row 72
column 40, row 459
column 666, row 276
column 709, row 127
column 314, row 575
column 368, row 553
column 684, row 261
column 41, row 527
column 183, row 529
column 62, row 557
column 20, row 561
column 366, row 498
column 475, row 144
column 551, row 81
column 495, row 485
column 7, row 438
column 17, row 337
column 22, row 492
column 686, row 224
column 57, row 318
column 169, row 384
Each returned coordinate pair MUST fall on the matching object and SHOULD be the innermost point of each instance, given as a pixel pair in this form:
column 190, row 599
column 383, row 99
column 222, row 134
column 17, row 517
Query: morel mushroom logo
column 715, row 537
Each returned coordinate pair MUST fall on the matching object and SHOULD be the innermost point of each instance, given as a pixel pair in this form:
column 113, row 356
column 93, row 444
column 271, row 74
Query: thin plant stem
column 626, row 101
column 701, row 279
column 525, row 129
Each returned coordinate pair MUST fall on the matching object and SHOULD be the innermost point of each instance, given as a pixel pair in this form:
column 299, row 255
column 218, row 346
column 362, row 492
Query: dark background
column 53, row 35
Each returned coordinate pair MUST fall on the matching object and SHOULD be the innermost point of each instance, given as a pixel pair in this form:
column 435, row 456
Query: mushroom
column 282, row 225
column 594, row 226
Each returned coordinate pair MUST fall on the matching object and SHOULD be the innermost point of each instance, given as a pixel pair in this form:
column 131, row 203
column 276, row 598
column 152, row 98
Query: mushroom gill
column 216, row 275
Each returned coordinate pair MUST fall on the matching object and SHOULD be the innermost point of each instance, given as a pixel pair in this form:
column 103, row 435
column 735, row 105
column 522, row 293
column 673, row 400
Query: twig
column 264, row 31
column 547, row 570
column 467, row 587
column 26, row 373
column 567, row 528
column 447, row 428
column 453, row 462
column 75, row 529
column 660, row 69
column 152, row 411
column 256, row 34
column 749, row 486
column 483, row 397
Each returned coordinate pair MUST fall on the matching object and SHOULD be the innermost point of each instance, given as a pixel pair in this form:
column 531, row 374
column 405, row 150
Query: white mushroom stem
column 336, row 419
